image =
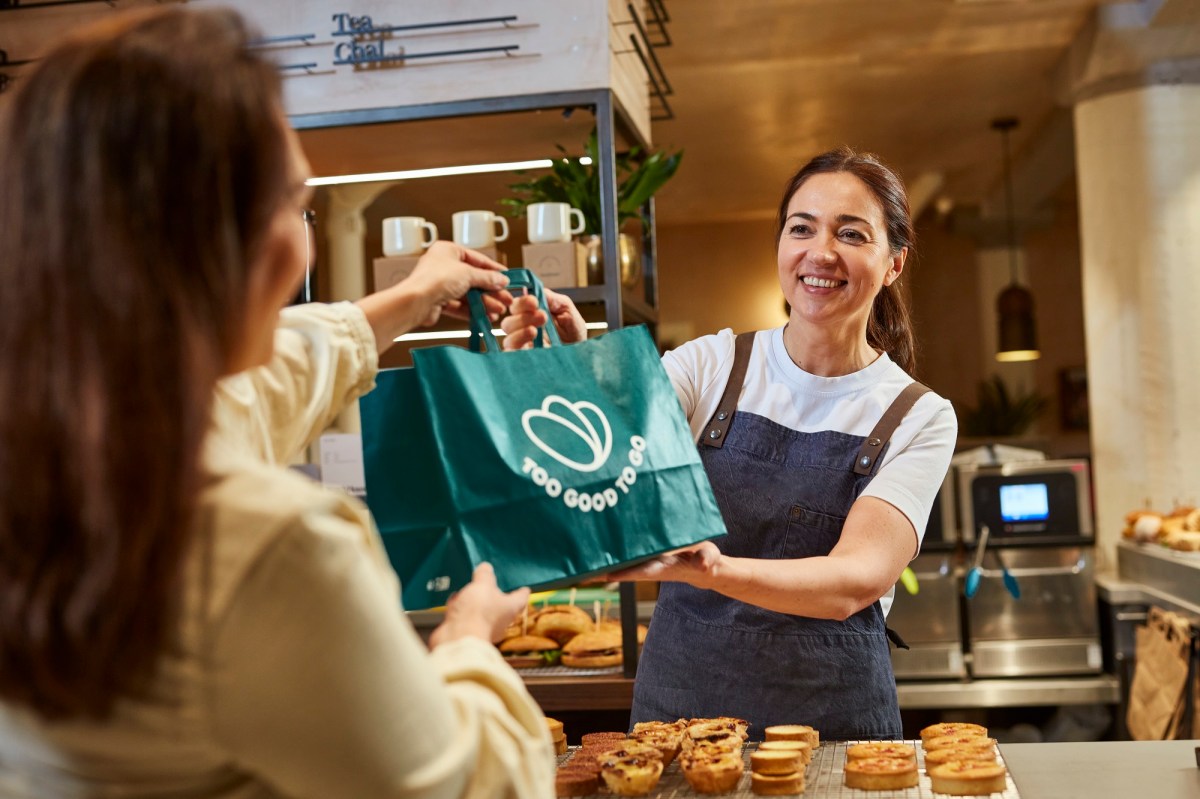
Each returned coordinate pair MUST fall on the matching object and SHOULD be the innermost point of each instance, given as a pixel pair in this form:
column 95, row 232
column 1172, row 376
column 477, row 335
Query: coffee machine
column 929, row 620
column 1038, row 517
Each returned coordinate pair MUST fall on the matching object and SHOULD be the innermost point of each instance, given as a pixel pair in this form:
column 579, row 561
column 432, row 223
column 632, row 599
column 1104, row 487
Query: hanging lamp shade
column 1017, row 340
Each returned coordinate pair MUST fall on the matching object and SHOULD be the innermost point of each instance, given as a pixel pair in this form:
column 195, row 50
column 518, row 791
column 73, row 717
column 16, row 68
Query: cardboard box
column 391, row 269
column 560, row 264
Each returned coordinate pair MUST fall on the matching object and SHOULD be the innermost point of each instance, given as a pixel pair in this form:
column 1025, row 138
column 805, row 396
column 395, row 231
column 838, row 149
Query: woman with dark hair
column 181, row 614
column 825, row 457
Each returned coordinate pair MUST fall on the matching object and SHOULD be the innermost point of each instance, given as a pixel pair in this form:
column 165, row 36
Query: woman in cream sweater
column 181, row 615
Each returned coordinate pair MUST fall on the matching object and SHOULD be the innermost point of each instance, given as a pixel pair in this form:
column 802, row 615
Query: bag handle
column 481, row 326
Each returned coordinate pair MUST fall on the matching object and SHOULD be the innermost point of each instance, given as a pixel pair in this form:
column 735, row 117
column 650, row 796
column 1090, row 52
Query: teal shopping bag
column 552, row 463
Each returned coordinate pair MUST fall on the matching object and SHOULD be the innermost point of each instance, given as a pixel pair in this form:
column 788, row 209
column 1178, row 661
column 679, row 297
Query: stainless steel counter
column 1105, row 769
column 1101, row 689
column 1161, row 576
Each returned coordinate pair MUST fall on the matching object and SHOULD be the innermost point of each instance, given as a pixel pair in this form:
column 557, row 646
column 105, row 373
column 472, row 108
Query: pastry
column 881, row 774
column 968, row 778
column 570, row 781
column 557, row 736
column 881, row 749
column 793, row 732
column 666, row 741
column 709, row 731
column 775, row 762
column 777, row 784
column 592, row 738
column 627, row 748
column 939, row 756
column 960, row 742
column 800, row 747
column 952, row 728
column 631, row 775
column 712, row 769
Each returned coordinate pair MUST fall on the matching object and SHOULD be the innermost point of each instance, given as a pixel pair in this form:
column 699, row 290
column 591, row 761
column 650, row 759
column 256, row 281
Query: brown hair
column 890, row 326
column 143, row 159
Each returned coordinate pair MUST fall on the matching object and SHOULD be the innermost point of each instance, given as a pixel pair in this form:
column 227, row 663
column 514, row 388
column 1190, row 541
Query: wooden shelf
column 581, row 693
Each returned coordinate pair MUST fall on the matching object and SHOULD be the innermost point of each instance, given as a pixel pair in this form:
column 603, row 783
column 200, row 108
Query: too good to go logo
column 578, row 436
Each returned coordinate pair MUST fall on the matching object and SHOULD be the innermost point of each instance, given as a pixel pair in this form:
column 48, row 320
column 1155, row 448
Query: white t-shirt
column 914, row 464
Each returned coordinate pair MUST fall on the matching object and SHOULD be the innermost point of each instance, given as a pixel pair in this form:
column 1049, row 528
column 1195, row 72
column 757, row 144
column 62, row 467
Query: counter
column 1105, row 769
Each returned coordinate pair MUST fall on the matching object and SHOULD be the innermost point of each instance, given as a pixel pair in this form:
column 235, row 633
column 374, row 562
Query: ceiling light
column 435, row 172
column 1017, row 339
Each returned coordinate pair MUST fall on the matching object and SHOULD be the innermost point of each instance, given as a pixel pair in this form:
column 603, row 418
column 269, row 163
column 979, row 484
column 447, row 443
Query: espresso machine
column 1028, row 527
column 929, row 620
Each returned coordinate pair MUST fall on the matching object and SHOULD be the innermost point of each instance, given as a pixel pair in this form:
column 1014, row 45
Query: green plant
column 999, row 413
column 578, row 184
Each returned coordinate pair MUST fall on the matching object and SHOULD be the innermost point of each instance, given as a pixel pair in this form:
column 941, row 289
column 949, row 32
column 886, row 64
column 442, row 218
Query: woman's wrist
column 396, row 310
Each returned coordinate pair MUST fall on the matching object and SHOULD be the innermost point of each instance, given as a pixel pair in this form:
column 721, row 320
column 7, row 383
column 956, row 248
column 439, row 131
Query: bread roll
column 561, row 622
column 593, row 650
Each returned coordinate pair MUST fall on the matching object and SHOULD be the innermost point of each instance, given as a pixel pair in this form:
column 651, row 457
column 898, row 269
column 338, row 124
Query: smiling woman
column 824, row 456
column 857, row 248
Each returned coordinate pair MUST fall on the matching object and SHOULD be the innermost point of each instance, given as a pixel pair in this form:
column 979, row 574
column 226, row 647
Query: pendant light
column 1017, row 340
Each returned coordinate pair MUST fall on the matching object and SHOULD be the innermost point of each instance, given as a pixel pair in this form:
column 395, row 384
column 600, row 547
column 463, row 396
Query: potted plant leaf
column 578, row 184
column 1000, row 413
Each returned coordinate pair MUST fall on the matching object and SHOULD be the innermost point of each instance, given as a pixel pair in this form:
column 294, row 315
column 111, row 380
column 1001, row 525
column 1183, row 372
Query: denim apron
column 783, row 494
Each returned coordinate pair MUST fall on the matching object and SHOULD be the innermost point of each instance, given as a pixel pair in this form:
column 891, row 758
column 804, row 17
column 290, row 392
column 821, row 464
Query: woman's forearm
column 818, row 587
column 395, row 311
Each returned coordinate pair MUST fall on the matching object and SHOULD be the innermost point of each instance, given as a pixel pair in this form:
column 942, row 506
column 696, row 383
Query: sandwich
column 561, row 622
column 530, row 651
column 593, row 650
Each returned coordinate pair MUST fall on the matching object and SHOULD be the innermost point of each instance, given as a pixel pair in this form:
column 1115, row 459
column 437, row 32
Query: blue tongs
column 976, row 572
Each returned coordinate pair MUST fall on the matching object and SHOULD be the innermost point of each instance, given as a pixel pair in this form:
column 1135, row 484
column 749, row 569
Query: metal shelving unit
column 620, row 306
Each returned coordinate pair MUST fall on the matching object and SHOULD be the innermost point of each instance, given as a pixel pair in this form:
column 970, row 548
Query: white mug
column 405, row 235
column 477, row 229
column 550, row 222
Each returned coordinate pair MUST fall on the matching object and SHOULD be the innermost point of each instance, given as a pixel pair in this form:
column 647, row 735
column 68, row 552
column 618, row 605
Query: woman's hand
column 447, row 271
column 525, row 317
column 695, row 565
column 480, row 610
column 438, row 285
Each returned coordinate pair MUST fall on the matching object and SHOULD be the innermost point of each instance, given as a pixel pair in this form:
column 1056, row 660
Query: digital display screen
column 1026, row 502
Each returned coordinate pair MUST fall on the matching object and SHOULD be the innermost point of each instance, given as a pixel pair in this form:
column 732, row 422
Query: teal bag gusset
column 553, row 463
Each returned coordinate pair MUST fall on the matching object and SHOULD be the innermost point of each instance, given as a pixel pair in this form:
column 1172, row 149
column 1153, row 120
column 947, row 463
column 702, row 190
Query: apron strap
column 718, row 425
column 873, row 446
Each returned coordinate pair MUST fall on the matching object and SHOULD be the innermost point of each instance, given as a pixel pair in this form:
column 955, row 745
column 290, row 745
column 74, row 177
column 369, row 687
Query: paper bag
column 1158, row 695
